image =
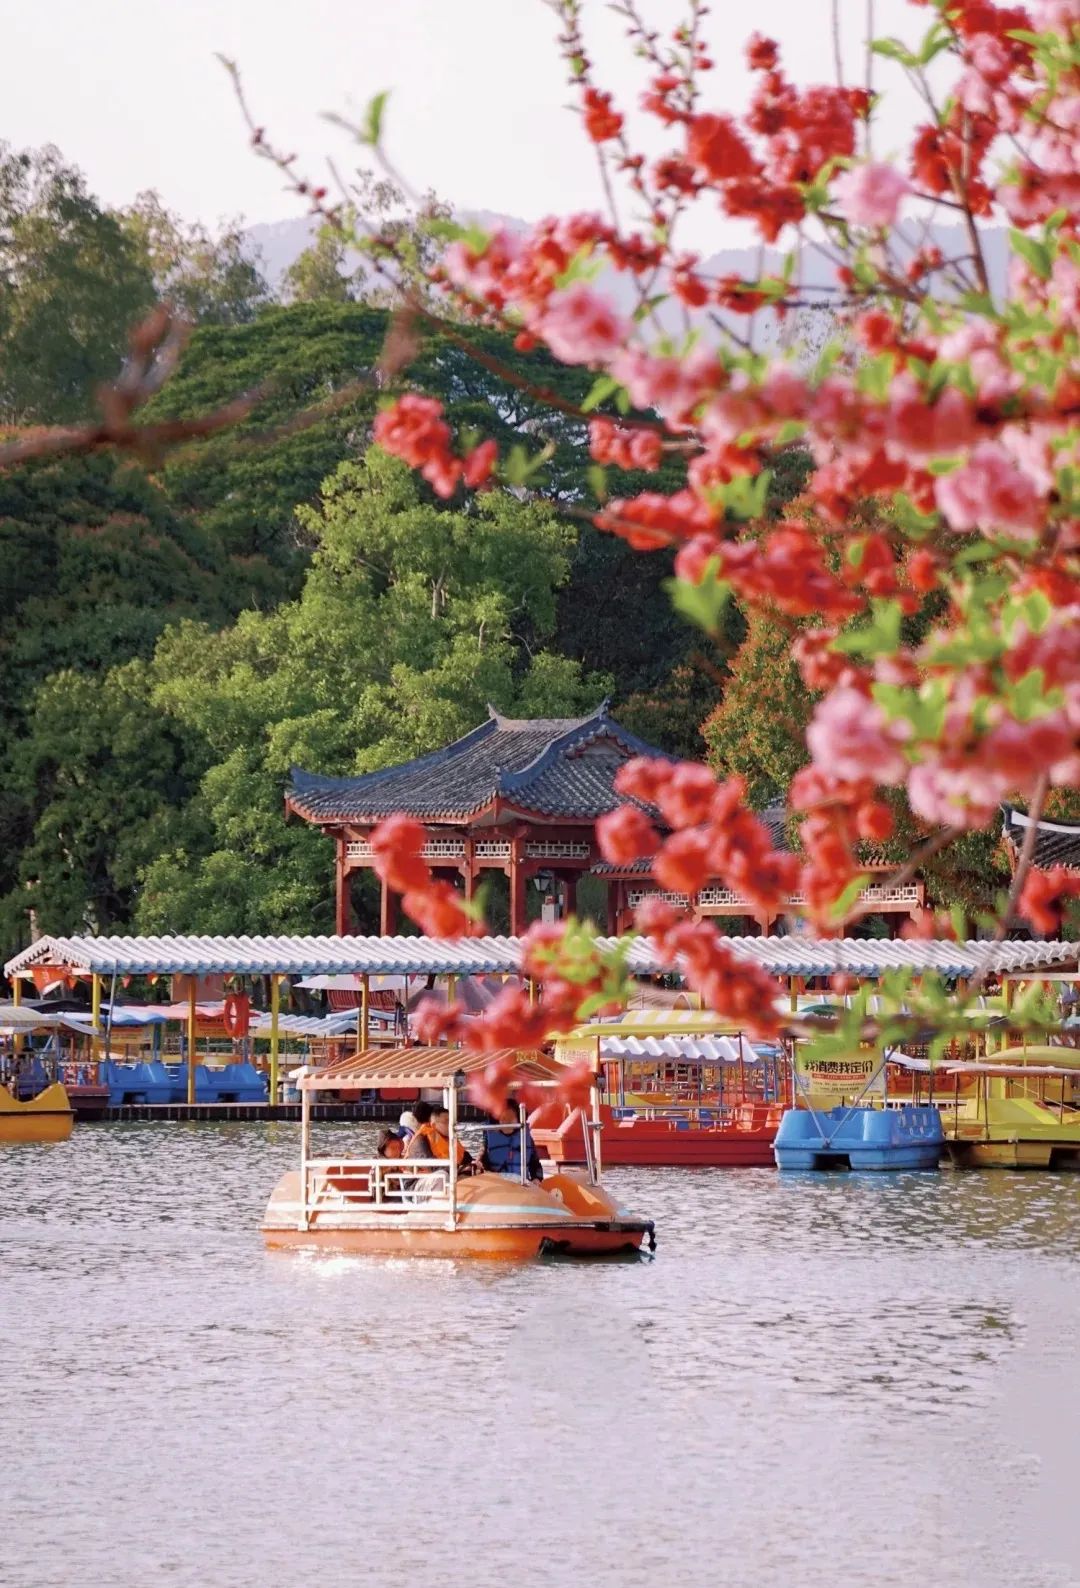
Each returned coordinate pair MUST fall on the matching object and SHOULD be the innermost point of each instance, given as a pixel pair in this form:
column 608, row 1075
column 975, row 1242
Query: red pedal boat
column 659, row 1140
column 703, row 1097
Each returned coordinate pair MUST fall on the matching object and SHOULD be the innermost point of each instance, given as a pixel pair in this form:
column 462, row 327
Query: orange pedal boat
column 422, row 1207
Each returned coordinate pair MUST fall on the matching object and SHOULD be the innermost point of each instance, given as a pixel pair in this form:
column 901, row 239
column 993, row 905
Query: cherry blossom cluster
column 930, row 575
column 573, row 976
column 413, row 428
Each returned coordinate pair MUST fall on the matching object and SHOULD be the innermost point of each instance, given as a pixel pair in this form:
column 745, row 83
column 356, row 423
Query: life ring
column 236, row 1015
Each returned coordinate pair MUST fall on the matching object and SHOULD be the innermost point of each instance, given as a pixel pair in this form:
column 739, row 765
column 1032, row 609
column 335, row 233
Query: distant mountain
column 280, row 242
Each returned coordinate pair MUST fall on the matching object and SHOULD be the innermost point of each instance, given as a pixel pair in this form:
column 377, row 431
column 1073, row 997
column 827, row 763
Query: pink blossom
column 849, row 735
column 1030, row 448
column 957, row 796
column 784, row 392
column 580, row 327
column 1054, row 16
column 870, row 195
column 482, row 273
column 991, row 493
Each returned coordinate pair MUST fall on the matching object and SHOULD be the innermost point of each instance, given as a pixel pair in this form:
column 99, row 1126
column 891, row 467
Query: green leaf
column 1033, row 251
column 745, row 495
column 702, row 604
column 936, row 40
column 981, row 551
column 370, row 129
column 603, row 387
column 893, row 50
column 880, row 637
column 1027, row 697
column 597, row 481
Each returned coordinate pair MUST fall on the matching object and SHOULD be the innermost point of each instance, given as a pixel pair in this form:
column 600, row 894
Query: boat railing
column 338, row 1186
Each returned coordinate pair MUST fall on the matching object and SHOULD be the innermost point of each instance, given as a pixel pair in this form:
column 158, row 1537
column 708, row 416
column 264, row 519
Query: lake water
column 825, row 1380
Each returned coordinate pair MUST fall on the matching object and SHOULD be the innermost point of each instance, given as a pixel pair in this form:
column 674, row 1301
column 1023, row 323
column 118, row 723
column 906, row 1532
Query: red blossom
column 601, row 121
column 397, row 844
column 716, row 147
column 438, row 910
column 682, row 863
column 625, row 835
column 1043, row 896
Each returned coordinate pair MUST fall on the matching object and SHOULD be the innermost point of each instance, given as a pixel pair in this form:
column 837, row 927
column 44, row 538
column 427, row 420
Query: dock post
column 95, row 1021
column 305, row 1152
column 275, row 1011
column 365, row 1014
column 191, row 1016
column 452, row 1166
column 16, row 998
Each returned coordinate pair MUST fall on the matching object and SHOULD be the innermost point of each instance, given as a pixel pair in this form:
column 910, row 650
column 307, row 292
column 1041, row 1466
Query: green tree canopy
column 413, row 616
column 210, row 280
column 320, row 274
column 72, row 284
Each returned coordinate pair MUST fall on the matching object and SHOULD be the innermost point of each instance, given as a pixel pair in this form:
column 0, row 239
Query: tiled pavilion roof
column 1056, row 843
column 557, row 768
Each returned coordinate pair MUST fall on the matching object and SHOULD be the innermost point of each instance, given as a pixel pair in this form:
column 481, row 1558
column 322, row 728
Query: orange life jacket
column 440, row 1145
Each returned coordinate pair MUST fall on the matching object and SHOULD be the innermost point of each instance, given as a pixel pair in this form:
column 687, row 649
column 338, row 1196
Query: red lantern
column 236, row 1014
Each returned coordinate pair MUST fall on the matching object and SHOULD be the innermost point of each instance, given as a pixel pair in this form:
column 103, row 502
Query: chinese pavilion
column 517, row 796
column 1056, row 843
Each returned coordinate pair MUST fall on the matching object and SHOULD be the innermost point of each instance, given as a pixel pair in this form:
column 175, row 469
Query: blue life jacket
column 504, row 1152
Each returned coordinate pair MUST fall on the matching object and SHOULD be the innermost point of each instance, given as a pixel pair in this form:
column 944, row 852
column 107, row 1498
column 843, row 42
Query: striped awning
column 322, row 1027
column 681, row 1049
column 375, row 1068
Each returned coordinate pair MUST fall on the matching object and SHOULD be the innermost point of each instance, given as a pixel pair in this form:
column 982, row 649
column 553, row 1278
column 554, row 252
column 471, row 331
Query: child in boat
column 413, row 1122
column 502, row 1147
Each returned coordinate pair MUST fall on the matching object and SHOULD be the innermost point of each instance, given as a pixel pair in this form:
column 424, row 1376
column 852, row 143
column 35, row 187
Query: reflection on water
column 818, row 1380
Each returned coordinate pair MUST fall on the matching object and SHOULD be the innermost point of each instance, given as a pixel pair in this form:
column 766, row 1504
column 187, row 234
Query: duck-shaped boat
column 46, row 1117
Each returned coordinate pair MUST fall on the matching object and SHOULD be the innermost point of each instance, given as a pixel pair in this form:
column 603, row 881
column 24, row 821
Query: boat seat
column 357, row 1186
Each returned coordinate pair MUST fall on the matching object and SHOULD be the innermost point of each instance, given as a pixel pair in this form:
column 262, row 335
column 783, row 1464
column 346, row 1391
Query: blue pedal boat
column 909, row 1137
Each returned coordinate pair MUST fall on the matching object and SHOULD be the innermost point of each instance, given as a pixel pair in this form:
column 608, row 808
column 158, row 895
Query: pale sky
column 131, row 92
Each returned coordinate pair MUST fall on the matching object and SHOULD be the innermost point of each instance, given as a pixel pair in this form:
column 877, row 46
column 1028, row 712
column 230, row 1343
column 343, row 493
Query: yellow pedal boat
column 1016, row 1109
column 46, row 1117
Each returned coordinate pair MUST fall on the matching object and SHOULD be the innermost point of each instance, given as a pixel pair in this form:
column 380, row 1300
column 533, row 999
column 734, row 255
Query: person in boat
column 416, row 1122
column 390, row 1145
column 502, row 1147
column 435, row 1136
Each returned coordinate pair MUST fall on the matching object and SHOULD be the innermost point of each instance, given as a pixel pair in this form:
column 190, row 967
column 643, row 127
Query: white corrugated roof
column 707, row 1050
column 262, row 956
column 344, row 1023
column 320, row 956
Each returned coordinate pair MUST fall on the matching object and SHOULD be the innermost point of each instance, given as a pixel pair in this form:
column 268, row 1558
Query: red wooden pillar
column 614, row 900
column 388, row 911
column 569, row 894
column 468, row 870
column 517, row 889
column 343, row 916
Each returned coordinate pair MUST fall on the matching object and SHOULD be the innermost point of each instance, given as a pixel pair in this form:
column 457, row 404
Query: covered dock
column 792, row 960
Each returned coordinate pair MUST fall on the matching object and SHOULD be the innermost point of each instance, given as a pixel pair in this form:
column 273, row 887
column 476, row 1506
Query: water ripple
column 818, row 1376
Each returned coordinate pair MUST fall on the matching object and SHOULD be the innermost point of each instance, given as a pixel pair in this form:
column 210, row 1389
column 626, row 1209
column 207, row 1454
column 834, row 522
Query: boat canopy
column 18, row 1018
column 1017, row 1071
column 690, row 1050
column 422, row 1068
